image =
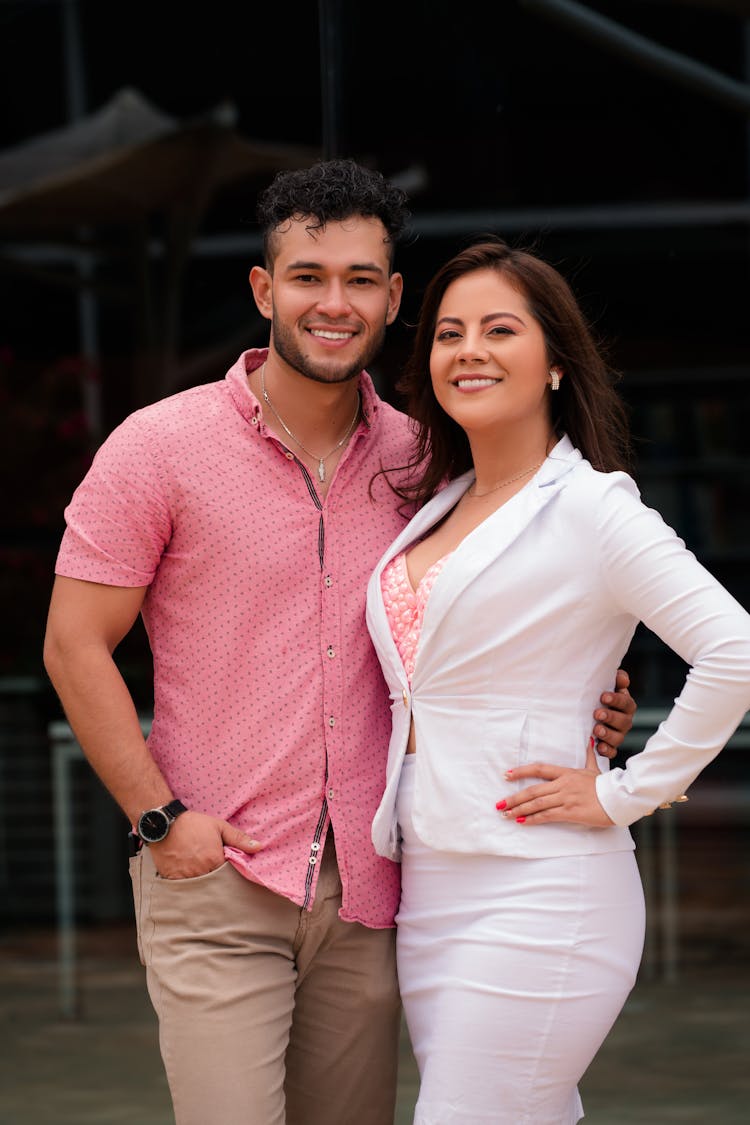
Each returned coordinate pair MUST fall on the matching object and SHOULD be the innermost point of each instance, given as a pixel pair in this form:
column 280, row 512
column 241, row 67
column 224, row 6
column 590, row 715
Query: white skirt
column 512, row 972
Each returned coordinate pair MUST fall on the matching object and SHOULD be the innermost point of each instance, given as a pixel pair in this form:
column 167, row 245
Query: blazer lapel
column 493, row 537
column 427, row 517
column 477, row 551
column 419, row 524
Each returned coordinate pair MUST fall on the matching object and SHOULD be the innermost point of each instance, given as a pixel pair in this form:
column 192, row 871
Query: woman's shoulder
column 592, row 482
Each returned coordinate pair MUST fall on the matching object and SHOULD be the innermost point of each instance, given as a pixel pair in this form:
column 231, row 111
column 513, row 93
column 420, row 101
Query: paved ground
column 680, row 1051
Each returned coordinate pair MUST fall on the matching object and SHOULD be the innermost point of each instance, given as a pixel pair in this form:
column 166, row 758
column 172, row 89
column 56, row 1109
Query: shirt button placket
column 333, row 671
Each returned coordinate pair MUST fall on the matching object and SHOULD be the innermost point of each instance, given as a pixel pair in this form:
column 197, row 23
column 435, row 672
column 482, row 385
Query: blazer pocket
column 505, row 745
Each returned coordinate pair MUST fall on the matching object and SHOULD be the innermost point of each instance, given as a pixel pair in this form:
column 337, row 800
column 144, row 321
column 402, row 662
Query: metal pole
column 63, row 752
column 746, row 59
column 329, row 23
column 669, row 895
column 75, row 90
column 664, row 62
column 644, row 837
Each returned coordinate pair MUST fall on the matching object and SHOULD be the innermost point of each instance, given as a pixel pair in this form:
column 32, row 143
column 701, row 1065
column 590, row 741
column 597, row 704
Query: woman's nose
column 472, row 351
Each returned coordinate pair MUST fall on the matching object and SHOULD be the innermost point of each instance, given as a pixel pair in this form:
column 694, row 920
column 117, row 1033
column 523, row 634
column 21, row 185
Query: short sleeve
column 118, row 522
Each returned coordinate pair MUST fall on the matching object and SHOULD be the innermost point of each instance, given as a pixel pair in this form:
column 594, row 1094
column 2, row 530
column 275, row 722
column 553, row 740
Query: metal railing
column 656, row 847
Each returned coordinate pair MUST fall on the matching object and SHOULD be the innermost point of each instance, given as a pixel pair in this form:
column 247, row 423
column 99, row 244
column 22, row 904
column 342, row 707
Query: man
column 242, row 520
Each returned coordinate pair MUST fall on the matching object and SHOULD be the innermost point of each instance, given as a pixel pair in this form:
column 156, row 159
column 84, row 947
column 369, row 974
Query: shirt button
column 314, row 847
column 289, row 456
column 331, row 651
column 331, row 721
column 405, row 698
column 328, row 581
column 253, row 421
column 312, row 861
column 330, row 794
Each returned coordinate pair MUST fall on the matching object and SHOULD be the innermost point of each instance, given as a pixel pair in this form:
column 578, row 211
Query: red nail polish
column 508, row 773
column 501, row 804
column 520, row 820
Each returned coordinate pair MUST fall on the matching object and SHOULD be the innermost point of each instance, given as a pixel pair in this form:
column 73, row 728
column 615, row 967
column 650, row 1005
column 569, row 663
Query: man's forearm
column 103, row 718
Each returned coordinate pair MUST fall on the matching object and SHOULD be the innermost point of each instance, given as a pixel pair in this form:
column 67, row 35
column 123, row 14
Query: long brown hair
column 586, row 407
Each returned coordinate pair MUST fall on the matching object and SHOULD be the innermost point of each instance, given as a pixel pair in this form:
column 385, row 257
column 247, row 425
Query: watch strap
column 174, row 808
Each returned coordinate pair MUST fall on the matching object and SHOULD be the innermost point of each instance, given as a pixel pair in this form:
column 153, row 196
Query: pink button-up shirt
column 270, row 709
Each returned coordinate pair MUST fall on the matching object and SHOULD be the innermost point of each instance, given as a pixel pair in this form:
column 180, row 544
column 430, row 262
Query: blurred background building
column 613, row 137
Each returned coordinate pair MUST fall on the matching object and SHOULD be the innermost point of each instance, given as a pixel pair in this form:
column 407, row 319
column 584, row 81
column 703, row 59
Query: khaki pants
column 268, row 1014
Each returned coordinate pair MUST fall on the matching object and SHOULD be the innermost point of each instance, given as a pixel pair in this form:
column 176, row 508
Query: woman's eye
column 447, row 334
column 501, row 330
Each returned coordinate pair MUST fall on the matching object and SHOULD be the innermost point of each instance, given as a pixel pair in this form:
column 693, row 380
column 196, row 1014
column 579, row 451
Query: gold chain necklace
column 502, row 484
column 321, row 460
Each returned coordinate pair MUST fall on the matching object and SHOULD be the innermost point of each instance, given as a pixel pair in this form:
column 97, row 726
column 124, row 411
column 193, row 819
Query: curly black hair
column 330, row 191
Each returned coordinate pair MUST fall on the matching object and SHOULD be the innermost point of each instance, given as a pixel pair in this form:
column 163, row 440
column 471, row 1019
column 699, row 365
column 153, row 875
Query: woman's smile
column 476, row 382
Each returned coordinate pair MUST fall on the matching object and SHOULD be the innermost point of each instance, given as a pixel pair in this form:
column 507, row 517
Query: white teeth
column 467, row 383
column 331, row 335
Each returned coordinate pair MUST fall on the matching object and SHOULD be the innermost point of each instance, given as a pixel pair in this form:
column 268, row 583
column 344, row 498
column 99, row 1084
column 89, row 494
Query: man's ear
column 261, row 283
column 395, row 292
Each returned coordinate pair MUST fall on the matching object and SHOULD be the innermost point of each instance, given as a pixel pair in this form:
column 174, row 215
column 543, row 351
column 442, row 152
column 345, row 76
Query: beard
column 323, row 371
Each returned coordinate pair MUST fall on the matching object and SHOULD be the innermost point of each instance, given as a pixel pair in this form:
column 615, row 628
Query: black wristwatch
column 154, row 824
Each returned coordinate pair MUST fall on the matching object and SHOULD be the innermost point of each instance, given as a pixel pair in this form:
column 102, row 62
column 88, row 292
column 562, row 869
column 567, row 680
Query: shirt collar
column 249, row 406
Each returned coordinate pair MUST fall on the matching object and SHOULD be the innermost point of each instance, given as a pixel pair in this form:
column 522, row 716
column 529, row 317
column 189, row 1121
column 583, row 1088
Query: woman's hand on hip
column 565, row 795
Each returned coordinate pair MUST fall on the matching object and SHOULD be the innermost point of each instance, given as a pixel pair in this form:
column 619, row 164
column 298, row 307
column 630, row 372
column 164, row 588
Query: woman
column 521, row 923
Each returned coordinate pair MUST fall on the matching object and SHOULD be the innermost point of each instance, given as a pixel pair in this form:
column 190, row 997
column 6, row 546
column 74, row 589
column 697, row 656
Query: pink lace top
column 405, row 606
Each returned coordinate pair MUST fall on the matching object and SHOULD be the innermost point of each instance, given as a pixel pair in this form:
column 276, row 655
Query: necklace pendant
column 321, row 471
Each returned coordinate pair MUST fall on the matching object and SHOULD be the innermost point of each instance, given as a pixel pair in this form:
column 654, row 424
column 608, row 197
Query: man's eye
column 363, row 281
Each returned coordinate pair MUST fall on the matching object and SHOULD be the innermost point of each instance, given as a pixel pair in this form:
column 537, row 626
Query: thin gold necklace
column 321, row 460
column 502, row 484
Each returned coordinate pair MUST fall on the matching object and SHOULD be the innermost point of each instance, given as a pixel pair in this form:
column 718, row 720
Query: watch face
column 153, row 826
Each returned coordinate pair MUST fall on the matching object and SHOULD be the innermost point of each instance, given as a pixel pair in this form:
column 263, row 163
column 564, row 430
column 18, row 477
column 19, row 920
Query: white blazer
column 525, row 626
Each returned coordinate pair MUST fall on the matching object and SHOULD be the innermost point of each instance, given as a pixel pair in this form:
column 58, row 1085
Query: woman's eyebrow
column 484, row 320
